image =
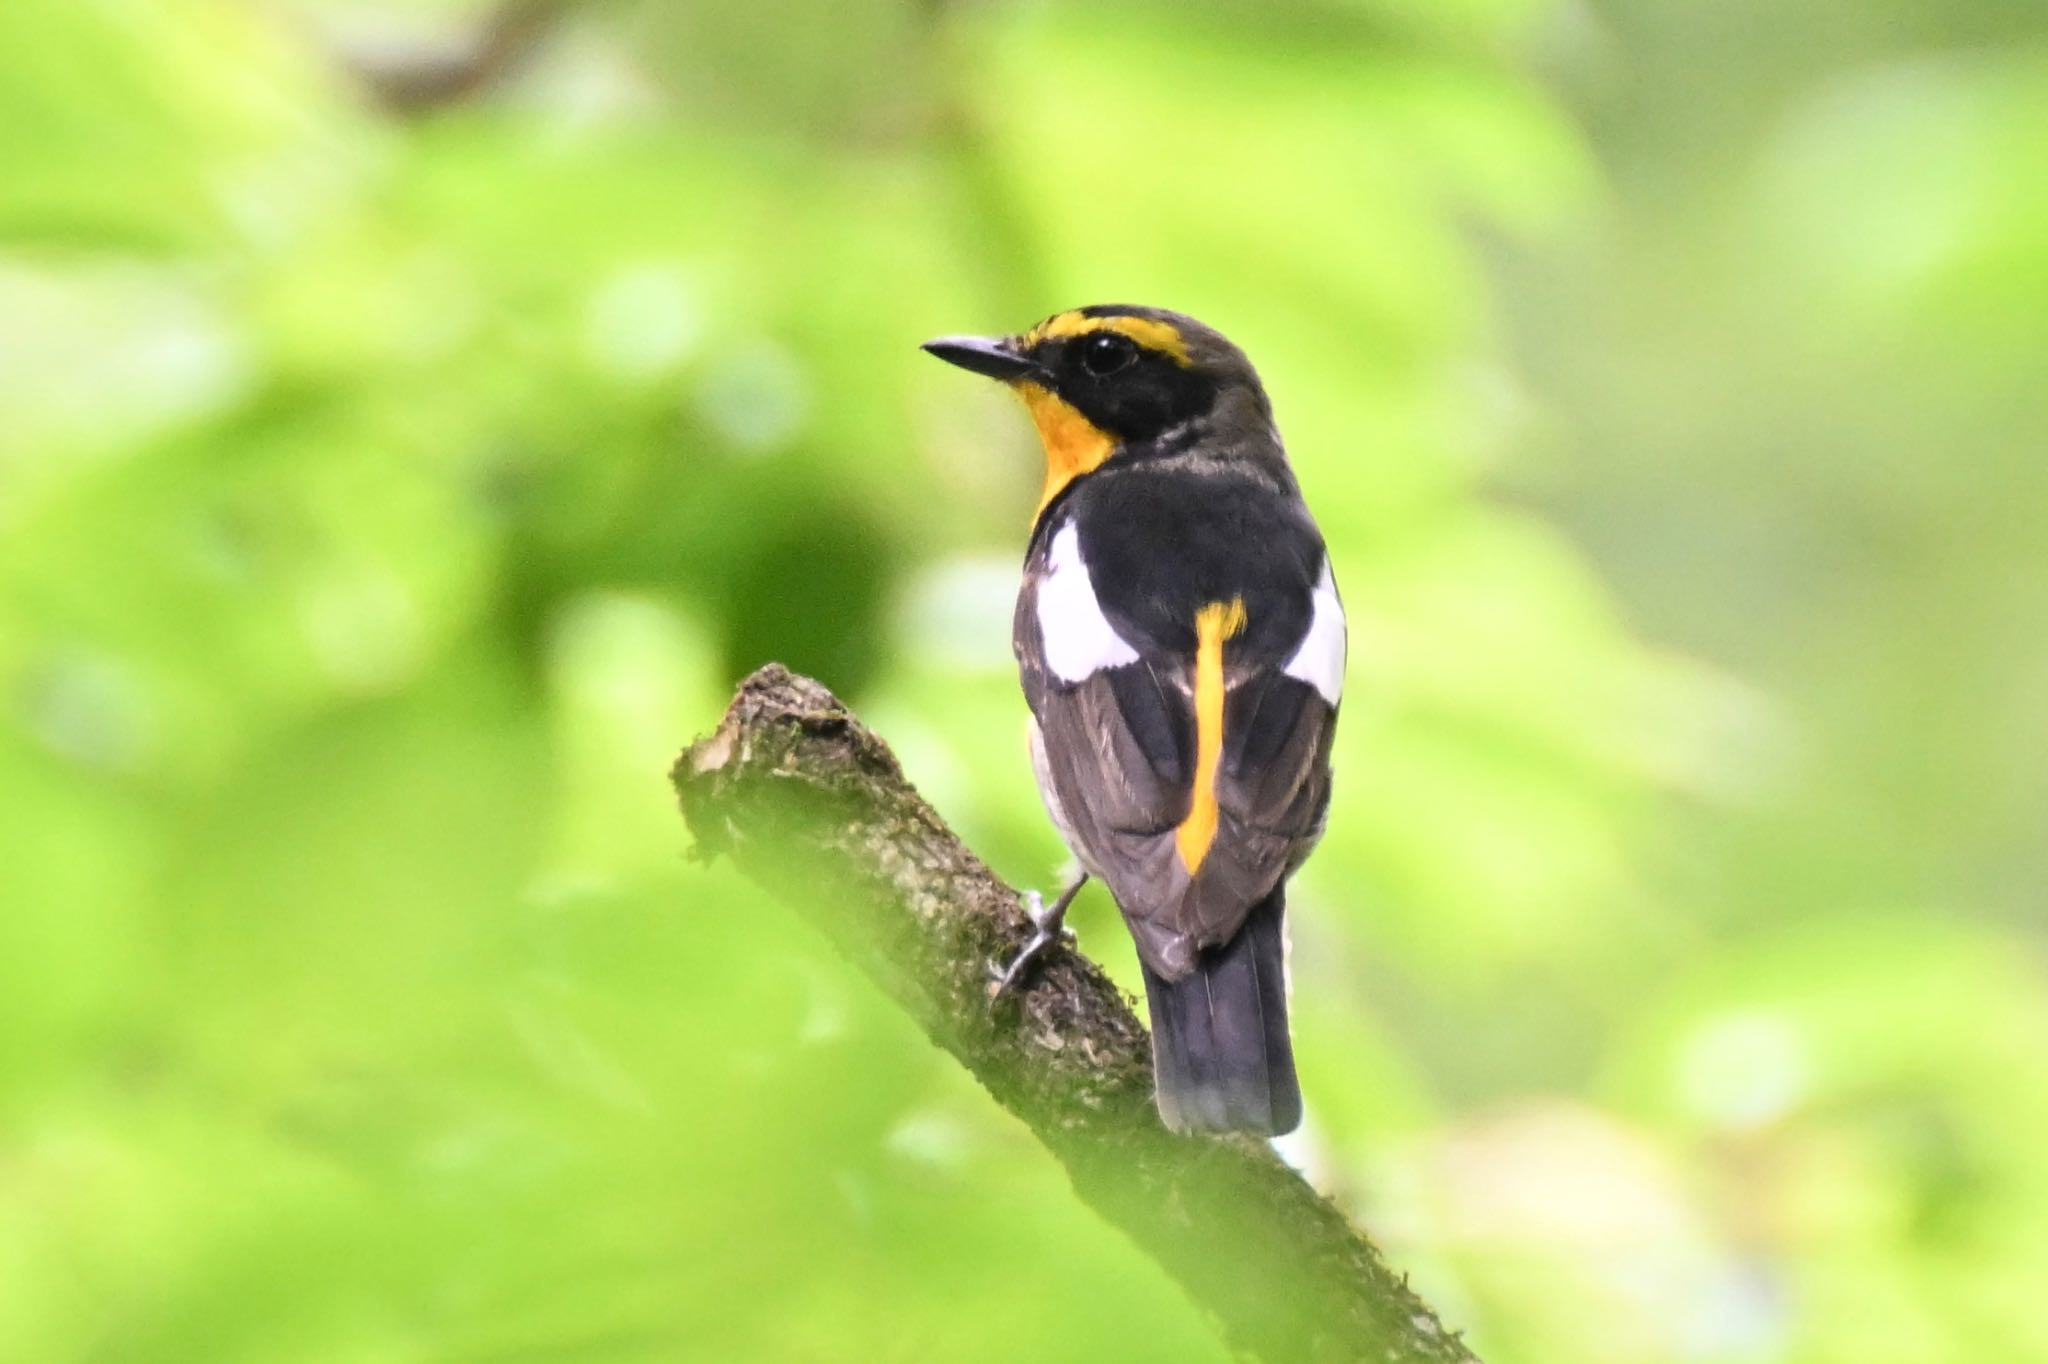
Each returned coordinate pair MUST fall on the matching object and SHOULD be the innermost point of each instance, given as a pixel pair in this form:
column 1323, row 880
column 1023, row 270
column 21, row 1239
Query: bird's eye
column 1106, row 353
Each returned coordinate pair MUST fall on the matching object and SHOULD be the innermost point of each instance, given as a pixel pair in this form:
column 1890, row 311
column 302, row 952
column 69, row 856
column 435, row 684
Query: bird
column 1181, row 646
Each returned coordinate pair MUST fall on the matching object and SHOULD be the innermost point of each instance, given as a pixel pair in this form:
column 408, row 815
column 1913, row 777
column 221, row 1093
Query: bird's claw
column 1048, row 919
column 1050, row 927
column 1007, row 978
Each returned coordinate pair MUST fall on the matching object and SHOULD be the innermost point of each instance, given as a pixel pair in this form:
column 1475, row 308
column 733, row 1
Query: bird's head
column 1116, row 379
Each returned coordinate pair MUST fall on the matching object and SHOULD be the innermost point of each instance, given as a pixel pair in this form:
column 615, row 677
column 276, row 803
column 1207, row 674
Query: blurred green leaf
column 384, row 501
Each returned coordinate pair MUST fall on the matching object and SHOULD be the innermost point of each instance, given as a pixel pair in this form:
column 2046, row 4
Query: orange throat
column 1073, row 444
column 1214, row 623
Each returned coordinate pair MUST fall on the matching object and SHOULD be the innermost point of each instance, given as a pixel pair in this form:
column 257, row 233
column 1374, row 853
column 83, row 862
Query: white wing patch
column 1079, row 640
column 1320, row 659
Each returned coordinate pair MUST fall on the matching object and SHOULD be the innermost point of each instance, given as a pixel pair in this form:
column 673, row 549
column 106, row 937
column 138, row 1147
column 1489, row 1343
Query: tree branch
column 813, row 806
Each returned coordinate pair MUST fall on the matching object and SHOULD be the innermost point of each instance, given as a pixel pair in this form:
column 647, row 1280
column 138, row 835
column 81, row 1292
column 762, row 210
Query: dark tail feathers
column 1221, row 1057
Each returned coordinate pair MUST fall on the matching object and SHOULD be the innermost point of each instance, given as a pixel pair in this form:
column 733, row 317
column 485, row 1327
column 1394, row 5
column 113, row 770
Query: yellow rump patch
column 1214, row 623
column 1163, row 337
column 1073, row 444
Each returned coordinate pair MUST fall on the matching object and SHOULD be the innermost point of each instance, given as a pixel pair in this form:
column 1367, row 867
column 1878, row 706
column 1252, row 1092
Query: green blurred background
column 396, row 469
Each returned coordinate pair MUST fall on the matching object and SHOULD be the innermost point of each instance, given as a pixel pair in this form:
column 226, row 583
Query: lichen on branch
column 813, row 806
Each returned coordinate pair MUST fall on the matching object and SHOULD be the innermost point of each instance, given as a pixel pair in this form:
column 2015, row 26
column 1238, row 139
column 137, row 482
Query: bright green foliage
column 384, row 501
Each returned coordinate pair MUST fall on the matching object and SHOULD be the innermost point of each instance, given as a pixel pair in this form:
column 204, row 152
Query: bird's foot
column 1049, row 925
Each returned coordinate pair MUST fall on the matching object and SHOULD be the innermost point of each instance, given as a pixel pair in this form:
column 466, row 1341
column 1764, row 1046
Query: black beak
column 984, row 355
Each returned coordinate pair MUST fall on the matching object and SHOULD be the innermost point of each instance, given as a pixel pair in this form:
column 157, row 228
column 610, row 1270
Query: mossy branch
column 812, row 805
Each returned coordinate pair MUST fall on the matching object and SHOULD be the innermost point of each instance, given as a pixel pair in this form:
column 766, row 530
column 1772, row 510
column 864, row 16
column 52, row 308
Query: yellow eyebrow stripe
column 1163, row 337
column 1214, row 623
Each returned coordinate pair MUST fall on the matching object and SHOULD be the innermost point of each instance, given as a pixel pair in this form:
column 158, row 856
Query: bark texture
column 813, row 806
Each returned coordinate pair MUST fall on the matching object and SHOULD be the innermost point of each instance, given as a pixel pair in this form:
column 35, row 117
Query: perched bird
column 1181, row 646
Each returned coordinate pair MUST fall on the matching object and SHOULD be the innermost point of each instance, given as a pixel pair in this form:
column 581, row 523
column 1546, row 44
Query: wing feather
column 1114, row 752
